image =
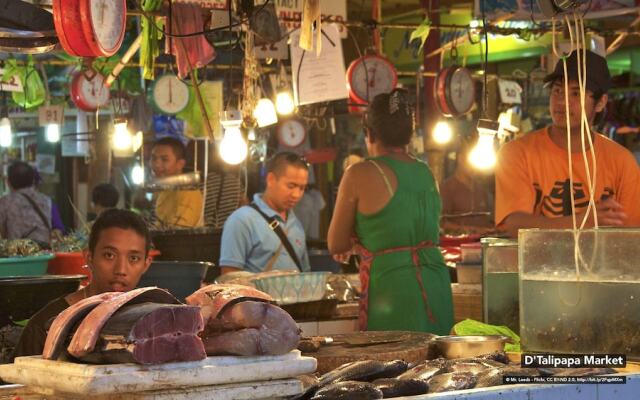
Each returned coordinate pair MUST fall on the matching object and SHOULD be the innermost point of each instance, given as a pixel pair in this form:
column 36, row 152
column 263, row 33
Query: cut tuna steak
column 65, row 321
column 214, row 299
column 256, row 329
column 150, row 333
column 85, row 337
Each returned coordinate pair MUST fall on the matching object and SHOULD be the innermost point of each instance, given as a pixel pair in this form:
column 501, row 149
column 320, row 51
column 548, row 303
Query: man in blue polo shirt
column 261, row 236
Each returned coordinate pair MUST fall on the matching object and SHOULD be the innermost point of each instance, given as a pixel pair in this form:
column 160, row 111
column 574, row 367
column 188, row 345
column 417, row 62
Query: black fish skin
column 364, row 371
column 401, row 387
column 499, row 356
column 348, row 390
column 451, row 381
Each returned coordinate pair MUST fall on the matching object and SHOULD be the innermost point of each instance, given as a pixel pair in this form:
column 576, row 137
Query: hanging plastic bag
column 33, row 91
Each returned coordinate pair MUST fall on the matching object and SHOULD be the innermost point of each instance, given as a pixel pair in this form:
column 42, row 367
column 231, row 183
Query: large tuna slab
column 86, row 336
column 150, row 333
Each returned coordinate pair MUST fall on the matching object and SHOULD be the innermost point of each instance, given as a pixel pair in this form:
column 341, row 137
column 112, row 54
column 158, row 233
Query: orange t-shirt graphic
column 532, row 176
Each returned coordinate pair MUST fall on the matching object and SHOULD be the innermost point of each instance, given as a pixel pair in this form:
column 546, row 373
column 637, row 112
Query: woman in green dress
column 388, row 211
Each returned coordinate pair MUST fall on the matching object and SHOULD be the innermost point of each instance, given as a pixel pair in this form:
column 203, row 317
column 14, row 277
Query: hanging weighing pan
column 264, row 23
column 16, row 14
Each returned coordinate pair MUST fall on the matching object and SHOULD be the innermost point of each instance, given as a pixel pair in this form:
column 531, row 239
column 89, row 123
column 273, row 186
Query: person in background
column 179, row 208
column 250, row 241
column 308, row 212
column 533, row 182
column 104, row 197
column 390, row 204
column 117, row 254
column 465, row 192
column 57, row 225
column 26, row 213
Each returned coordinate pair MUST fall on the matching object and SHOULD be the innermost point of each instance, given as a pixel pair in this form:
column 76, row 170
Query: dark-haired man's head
column 118, row 251
column 104, row 196
column 287, row 177
column 389, row 119
column 597, row 82
column 20, row 175
column 167, row 157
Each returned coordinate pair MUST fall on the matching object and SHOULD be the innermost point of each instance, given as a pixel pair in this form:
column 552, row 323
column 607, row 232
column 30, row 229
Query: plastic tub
column 294, row 288
column 24, row 266
column 181, row 278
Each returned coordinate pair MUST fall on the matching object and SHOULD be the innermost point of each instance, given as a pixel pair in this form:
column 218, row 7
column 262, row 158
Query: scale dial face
column 170, row 95
column 108, row 23
column 292, row 133
column 89, row 92
column 369, row 76
column 460, row 91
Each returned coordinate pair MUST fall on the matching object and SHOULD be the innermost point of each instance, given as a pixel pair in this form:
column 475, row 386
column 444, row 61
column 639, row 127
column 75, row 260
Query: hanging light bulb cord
column 485, row 94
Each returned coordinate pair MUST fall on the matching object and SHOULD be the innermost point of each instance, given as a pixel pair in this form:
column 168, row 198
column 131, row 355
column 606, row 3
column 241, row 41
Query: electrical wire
column 485, row 93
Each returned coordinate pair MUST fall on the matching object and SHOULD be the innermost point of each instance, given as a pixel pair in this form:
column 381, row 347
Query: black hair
column 389, row 118
column 278, row 163
column 123, row 219
column 21, row 175
column 175, row 144
column 105, row 195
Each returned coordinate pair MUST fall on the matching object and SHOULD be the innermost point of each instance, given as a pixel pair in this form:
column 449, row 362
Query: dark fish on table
column 452, row 381
column 490, row 377
column 364, row 371
column 487, row 363
column 585, row 371
column 499, row 356
column 348, row 390
column 472, row 367
column 516, row 370
column 426, row 370
column 391, row 387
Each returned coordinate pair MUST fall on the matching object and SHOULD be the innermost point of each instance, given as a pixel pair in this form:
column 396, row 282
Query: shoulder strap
column 275, row 226
column 37, row 209
column 384, row 176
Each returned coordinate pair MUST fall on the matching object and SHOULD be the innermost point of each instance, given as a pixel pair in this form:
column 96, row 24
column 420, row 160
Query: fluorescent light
column 6, row 136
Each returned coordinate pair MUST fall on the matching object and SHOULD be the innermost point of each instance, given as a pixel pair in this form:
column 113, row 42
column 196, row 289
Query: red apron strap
column 366, row 259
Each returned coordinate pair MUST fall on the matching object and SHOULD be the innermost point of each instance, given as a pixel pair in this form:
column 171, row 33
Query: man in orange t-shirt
column 532, row 174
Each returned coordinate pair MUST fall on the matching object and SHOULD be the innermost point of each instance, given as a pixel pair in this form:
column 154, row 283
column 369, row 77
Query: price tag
column 51, row 115
column 12, row 85
column 510, row 92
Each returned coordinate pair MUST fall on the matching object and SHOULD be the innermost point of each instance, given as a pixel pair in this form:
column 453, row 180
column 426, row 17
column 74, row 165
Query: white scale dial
column 94, row 92
column 170, row 94
column 379, row 77
column 106, row 20
column 292, row 133
column 461, row 90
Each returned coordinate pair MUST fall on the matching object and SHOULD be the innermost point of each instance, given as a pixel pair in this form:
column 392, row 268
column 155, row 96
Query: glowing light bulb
column 122, row 139
column 251, row 136
column 483, row 155
column 265, row 113
column 442, row 133
column 136, row 141
column 137, row 174
column 233, row 148
column 53, row 133
column 6, row 136
column 284, row 103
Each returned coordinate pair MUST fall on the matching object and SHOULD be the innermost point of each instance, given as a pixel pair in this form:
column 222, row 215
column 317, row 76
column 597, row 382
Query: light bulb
column 265, row 113
column 53, row 133
column 483, row 155
column 233, row 148
column 442, row 132
column 6, row 136
column 136, row 141
column 122, row 139
column 251, row 135
column 137, row 174
column 284, row 103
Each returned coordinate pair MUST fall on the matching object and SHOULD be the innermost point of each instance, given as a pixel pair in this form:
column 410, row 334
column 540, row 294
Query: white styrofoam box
column 84, row 379
column 239, row 391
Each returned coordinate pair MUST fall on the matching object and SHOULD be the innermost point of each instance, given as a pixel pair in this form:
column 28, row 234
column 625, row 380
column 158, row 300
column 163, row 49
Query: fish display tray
column 84, row 379
column 238, row 391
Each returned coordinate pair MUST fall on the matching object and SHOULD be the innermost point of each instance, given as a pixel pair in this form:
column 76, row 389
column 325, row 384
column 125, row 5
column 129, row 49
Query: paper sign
column 12, row 85
column 277, row 51
column 322, row 78
column 510, row 92
column 51, row 115
column 46, row 163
